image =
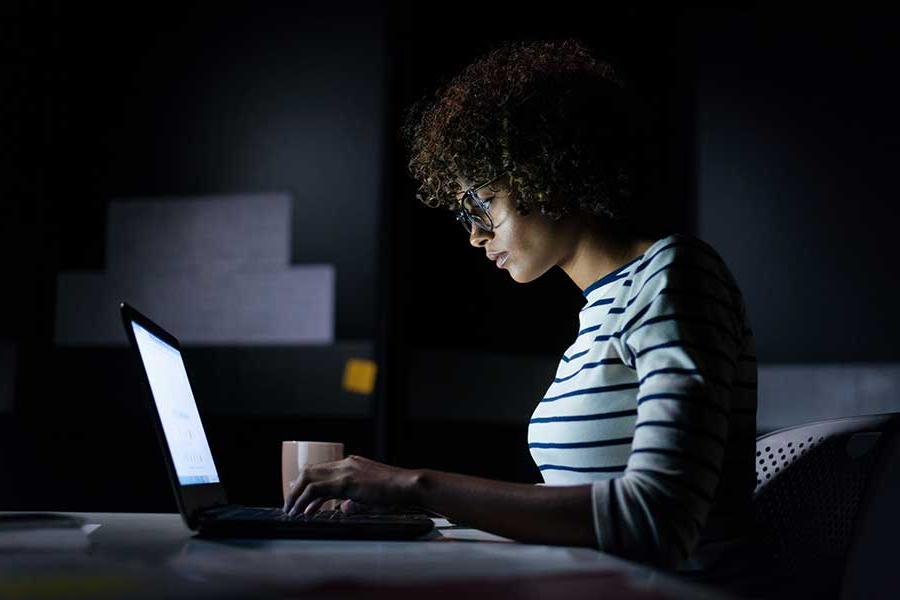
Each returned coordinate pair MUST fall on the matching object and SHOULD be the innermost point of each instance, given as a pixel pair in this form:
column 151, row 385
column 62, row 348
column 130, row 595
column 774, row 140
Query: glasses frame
column 466, row 218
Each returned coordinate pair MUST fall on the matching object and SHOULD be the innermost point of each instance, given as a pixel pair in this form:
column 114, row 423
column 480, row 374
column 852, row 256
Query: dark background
column 780, row 138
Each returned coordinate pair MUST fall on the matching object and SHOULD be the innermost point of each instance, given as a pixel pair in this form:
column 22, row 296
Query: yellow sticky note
column 359, row 375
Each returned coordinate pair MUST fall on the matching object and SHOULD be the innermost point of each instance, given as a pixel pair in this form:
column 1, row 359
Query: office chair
column 815, row 484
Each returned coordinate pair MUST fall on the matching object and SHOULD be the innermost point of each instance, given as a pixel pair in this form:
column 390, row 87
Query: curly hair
column 560, row 123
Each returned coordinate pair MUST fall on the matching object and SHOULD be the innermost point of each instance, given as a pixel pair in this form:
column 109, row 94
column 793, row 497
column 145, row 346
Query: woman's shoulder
column 684, row 256
column 683, row 246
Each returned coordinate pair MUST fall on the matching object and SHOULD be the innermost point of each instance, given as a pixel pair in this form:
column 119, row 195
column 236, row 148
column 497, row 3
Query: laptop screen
column 177, row 409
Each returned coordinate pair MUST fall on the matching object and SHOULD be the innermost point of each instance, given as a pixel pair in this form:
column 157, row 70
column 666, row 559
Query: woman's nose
column 478, row 237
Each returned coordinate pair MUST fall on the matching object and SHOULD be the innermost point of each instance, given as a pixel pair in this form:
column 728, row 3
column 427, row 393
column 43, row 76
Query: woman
column 646, row 436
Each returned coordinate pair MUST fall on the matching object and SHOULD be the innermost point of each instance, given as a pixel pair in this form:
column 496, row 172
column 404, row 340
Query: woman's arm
column 559, row 515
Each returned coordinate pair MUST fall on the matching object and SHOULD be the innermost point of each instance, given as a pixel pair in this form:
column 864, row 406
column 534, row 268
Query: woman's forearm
column 559, row 515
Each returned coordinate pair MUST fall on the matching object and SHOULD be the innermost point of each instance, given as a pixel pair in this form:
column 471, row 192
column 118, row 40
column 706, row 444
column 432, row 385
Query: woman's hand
column 354, row 507
column 363, row 481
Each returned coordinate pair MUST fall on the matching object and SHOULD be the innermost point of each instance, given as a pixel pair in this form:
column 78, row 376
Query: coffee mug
column 296, row 455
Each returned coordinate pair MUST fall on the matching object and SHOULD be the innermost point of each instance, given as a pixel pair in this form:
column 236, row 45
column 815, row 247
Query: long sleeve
column 682, row 334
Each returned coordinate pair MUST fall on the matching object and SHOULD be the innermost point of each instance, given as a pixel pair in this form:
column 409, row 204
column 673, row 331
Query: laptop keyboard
column 276, row 514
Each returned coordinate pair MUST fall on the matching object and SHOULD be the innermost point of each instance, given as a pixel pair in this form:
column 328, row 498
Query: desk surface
column 150, row 553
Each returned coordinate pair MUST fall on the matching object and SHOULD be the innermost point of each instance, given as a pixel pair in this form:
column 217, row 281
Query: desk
column 155, row 554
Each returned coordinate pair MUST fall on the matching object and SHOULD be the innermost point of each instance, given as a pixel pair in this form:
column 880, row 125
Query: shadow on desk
column 500, row 567
column 571, row 587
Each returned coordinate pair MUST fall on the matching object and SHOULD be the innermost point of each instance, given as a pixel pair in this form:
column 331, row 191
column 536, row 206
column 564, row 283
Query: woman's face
column 526, row 246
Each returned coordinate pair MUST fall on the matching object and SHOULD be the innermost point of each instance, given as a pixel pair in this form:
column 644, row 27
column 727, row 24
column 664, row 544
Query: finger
column 287, row 495
column 311, row 492
column 304, row 478
column 323, row 483
column 314, row 506
column 351, row 506
column 307, row 476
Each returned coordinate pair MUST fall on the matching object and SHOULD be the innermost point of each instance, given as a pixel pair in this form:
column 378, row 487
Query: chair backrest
column 811, row 481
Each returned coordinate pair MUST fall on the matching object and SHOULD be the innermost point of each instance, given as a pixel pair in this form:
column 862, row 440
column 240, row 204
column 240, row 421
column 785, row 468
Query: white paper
column 442, row 523
column 472, row 535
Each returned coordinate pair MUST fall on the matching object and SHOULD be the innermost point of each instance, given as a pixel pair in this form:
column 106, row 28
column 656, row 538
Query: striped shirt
column 654, row 405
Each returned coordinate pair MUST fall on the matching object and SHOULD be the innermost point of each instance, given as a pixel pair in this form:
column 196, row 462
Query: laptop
column 199, row 492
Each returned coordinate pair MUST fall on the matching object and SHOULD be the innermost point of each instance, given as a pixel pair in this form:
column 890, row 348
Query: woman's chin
column 519, row 277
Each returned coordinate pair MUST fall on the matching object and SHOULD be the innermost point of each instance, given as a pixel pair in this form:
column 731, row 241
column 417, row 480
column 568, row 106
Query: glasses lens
column 472, row 213
column 464, row 221
column 468, row 222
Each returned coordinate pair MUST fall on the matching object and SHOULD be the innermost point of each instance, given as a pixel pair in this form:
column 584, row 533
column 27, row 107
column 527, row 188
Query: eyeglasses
column 473, row 210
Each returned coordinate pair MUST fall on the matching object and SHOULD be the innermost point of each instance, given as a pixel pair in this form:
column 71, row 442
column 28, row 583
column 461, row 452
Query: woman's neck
column 596, row 253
